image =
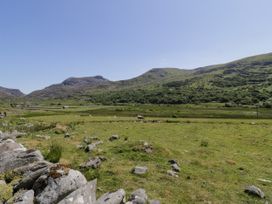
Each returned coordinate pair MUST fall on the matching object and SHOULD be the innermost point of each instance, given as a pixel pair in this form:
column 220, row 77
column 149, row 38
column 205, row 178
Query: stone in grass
column 140, row 170
column 139, row 196
column 175, row 167
column 172, row 173
column 254, row 191
column 67, row 135
column 90, row 148
column 173, row 161
column 117, row 197
column 113, row 137
column 93, row 162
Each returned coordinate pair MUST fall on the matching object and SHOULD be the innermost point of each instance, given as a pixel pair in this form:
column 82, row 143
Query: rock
column 32, row 174
column 140, row 117
column 264, row 180
column 140, row 170
column 60, row 183
column 139, row 197
column 112, row 198
column 92, row 163
column 255, row 191
column 175, row 167
column 40, row 184
column 80, row 146
column 67, row 135
column 172, row 173
column 10, row 145
column 90, row 148
column 173, row 161
column 84, row 195
column 19, row 158
column 113, row 137
column 13, row 135
column 23, row 197
column 154, row 202
column 147, row 148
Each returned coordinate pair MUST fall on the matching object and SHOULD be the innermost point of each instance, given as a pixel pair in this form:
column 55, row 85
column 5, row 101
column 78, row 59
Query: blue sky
column 44, row 42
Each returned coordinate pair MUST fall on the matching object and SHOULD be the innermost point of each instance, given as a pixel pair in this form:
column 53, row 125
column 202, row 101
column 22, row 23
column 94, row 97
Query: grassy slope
column 208, row 173
column 244, row 81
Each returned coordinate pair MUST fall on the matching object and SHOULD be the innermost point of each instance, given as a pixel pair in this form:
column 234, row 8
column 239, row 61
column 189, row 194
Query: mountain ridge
column 245, row 81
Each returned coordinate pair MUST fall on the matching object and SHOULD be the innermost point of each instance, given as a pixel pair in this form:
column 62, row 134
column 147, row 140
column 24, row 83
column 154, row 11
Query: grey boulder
column 117, row 197
column 59, row 185
column 140, row 170
column 254, row 191
column 11, row 160
column 93, row 163
column 84, row 195
column 10, row 145
column 175, row 167
column 23, row 197
column 139, row 197
column 30, row 175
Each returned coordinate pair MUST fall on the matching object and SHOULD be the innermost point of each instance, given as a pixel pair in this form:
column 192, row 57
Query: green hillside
column 246, row 81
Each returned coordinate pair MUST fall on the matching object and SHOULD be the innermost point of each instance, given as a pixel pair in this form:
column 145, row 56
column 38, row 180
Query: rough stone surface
column 92, row 163
column 175, row 167
column 84, row 195
column 13, row 135
column 31, row 175
column 10, row 145
column 139, row 197
column 255, row 191
column 18, row 158
column 23, row 197
column 90, row 147
column 59, row 185
column 112, row 198
column 140, row 170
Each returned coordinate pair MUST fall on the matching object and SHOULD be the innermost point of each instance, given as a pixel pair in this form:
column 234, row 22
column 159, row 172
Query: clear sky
column 45, row 41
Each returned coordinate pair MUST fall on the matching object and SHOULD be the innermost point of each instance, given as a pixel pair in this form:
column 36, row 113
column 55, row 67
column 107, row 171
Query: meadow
column 220, row 150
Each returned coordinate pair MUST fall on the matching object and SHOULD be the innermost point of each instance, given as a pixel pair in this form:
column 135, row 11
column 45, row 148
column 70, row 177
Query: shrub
column 54, row 154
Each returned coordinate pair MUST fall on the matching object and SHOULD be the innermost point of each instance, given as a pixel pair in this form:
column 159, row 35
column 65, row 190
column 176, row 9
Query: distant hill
column 245, row 81
column 70, row 87
column 6, row 93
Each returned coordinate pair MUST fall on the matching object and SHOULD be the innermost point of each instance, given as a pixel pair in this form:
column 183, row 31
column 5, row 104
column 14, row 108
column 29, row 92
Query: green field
column 220, row 150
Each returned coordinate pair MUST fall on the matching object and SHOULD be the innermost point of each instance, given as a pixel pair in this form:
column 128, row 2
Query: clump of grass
column 5, row 193
column 54, row 154
column 204, row 143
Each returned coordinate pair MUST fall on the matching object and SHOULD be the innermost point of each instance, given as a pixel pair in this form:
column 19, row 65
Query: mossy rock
column 5, row 192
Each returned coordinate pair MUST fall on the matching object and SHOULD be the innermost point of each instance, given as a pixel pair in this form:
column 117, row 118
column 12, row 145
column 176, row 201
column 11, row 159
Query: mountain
column 6, row 93
column 245, row 81
column 70, row 87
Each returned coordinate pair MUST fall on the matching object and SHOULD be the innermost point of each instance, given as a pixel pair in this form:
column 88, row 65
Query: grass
column 218, row 157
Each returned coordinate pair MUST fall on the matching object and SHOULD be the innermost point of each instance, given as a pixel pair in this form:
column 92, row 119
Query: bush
column 54, row 154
